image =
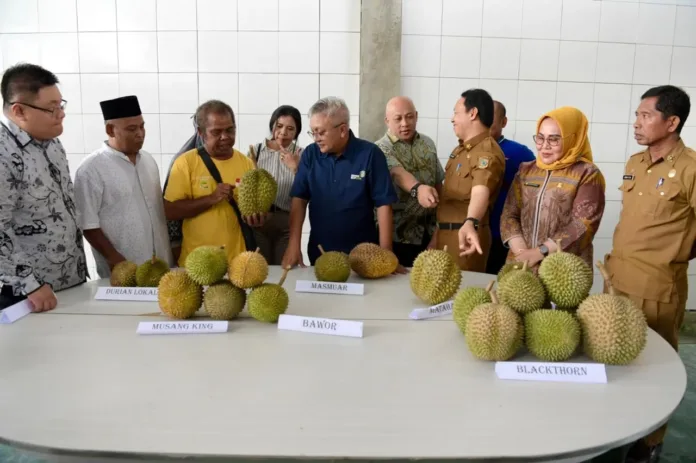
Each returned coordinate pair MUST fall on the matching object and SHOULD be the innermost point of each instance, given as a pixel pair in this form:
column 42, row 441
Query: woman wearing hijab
column 560, row 196
column 279, row 154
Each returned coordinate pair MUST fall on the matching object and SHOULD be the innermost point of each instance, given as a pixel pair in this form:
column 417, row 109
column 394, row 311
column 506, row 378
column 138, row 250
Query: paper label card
column 16, row 311
column 321, row 326
column 431, row 312
column 182, row 327
column 552, row 371
column 112, row 293
column 328, row 287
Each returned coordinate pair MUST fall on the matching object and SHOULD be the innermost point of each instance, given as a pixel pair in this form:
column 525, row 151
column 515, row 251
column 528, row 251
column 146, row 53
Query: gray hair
column 212, row 107
column 333, row 107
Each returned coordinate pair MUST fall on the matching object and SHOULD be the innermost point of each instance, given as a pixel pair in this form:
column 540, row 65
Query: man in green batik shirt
column 418, row 176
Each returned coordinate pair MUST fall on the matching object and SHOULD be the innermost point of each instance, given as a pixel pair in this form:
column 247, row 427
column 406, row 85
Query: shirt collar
column 117, row 154
column 501, row 139
column 22, row 137
column 671, row 157
column 472, row 142
column 394, row 139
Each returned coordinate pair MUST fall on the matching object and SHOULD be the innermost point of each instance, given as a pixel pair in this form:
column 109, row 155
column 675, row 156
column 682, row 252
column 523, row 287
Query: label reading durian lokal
column 109, row 293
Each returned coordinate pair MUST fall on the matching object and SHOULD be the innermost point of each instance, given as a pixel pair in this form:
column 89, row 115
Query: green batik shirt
column 420, row 159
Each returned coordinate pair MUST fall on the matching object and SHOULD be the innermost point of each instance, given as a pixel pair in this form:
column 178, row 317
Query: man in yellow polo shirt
column 193, row 196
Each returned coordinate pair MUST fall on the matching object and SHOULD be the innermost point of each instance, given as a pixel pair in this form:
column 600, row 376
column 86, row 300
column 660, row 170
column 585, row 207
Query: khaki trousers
column 473, row 263
column 666, row 319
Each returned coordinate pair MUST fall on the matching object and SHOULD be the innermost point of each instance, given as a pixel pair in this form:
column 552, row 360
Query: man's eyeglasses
column 52, row 111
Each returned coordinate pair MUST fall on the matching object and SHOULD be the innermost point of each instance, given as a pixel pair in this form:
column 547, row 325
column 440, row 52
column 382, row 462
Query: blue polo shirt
column 343, row 193
column 515, row 154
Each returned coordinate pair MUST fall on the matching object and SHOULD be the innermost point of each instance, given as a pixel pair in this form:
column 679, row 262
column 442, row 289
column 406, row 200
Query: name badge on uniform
column 533, row 185
column 452, row 155
column 628, row 177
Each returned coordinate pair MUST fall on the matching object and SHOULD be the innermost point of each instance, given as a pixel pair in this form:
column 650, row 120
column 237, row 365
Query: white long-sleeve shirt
column 125, row 201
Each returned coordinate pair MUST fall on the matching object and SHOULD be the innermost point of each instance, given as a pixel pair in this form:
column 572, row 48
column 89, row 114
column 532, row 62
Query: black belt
column 275, row 208
column 454, row 226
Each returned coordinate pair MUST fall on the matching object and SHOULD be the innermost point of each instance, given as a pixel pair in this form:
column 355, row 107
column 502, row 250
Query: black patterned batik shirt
column 40, row 242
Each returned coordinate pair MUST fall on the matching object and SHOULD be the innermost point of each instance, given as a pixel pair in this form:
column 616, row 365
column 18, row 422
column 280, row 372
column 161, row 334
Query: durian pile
column 146, row 275
column 552, row 314
column 367, row 260
column 208, row 280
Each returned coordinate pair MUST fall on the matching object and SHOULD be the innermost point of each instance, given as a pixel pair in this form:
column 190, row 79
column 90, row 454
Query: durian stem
column 284, row 276
column 558, row 245
column 606, row 277
column 154, row 259
column 494, row 297
column 489, row 288
column 524, row 266
column 321, row 249
column 257, row 250
column 445, row 248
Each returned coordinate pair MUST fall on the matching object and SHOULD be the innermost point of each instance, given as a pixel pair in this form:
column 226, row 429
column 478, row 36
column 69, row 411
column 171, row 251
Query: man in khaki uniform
column 473, row 177
column 656, row 233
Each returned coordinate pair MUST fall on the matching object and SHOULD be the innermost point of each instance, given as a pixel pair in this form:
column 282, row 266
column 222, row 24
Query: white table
column 79, row 384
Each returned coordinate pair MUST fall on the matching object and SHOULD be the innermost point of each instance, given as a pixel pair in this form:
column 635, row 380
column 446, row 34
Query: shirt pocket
column 354, row 190
column 202, row 186
column 660, row 203
column 458, row 181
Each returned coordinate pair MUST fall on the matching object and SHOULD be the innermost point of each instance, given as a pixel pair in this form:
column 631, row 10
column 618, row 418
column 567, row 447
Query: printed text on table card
column 430, row 312
column 113, row 293
column 328, row 287
column 321, row 326
column 176, row 327
column 551, row 371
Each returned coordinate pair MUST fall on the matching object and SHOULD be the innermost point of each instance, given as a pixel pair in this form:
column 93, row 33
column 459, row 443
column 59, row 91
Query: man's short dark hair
column 503, row 111
column 23, row 80
column 481, row 100
column 671, row 101
column 212, row 107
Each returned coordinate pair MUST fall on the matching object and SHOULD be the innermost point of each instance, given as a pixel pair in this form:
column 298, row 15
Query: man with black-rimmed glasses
column 41, row 245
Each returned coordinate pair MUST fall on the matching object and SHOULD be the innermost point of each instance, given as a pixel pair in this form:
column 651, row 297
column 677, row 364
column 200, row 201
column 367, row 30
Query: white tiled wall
column 176, row 54
column 534, row 55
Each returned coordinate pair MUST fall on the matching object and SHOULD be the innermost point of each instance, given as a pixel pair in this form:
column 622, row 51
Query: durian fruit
column 614, row 329
column 178, row 295
column 507, row 268
column 267, row 302
column 371, row 261
column 435, row 276
column 332, row 266
column 566, row 277
column 256, row 192
column 248, row 269
column 494, row 331
column 552, row 335
column 123, row 274
column 466, row 300
column 223, row 300
column 207, row 264
column 522, row 291
column 149, row 273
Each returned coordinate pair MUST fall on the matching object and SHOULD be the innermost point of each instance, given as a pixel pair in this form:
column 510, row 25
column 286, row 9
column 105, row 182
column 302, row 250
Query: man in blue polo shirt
column 515, row 154
column 344, row 179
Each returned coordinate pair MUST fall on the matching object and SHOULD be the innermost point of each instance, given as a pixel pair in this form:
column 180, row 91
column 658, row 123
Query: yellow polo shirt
column 218, row 226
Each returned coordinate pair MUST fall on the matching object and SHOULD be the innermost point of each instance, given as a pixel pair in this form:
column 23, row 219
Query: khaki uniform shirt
column 412, row 222
column 478, row 161
column 657, row 228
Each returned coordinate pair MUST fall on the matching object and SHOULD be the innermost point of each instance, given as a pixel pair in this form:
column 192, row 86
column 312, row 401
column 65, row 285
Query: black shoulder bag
column 247, row 232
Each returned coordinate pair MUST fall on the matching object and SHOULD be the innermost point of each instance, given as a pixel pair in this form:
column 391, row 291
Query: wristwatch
column 474, row 221
column 414, row 190
column 544, row 250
